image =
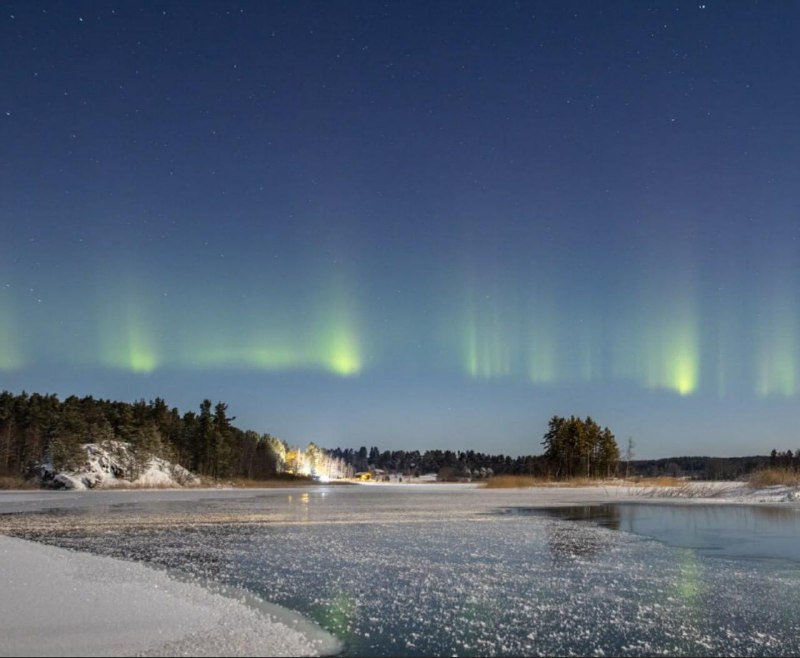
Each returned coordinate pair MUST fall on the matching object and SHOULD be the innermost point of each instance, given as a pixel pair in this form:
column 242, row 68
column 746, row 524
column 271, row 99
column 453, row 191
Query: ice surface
column 440, row 570
column 60, row 602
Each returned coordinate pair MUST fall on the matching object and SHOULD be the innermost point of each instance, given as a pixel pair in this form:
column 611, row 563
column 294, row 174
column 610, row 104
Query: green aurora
column 657, row 330
column 658, row 347
column 11, row 356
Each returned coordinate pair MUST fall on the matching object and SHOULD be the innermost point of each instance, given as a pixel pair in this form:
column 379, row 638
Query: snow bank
column 115, row 464
column 59, row 602
column 723, row 492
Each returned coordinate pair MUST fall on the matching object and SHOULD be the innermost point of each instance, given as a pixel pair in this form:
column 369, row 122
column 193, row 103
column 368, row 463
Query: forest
column 40, row 429
column 37, row 429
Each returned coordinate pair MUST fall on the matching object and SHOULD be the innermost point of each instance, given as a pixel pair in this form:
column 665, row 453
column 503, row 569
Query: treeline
column 457, row 464
column 785, row 459
column 573, row 447
column 41, row 429
column 715, row 468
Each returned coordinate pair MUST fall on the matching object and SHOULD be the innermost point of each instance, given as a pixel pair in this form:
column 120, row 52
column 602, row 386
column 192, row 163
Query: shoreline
column 711, row 490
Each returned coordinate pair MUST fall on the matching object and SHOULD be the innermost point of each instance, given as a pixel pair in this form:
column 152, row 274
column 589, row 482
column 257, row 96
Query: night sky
column 410, row 224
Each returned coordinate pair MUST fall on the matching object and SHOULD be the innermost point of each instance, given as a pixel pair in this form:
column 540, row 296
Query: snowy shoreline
column 56, row 601
column 14, row 501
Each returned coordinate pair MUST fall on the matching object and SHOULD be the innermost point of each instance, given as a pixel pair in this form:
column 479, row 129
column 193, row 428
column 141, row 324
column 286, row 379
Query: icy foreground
column 455, row 570
column 59, row 602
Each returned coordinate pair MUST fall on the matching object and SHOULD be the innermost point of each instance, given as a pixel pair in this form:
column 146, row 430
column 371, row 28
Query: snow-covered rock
column 115, row 464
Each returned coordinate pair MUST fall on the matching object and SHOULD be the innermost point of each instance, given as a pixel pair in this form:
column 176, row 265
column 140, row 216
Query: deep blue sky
column 409, row 224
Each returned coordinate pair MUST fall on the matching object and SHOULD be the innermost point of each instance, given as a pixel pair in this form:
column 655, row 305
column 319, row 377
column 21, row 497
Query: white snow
column 60, row 602
column 704, row 492
column 723, row 492
column 114, row 464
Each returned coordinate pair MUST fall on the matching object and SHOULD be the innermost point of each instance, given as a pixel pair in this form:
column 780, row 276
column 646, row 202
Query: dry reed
column 13, row 482
column 658, row 481
column 771, row 477
column 523, row 481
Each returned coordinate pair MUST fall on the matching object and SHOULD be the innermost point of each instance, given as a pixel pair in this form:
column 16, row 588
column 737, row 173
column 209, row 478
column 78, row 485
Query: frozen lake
column 446, row 570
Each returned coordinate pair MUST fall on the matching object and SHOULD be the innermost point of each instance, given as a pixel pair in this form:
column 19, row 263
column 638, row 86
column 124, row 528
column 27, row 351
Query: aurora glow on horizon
column 409, row 226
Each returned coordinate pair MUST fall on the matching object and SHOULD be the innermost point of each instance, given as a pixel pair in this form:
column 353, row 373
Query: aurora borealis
column 406, row 225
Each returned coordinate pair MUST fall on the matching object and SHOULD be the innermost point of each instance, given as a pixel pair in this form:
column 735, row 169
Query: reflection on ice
column 566, row 541
column 725, row 530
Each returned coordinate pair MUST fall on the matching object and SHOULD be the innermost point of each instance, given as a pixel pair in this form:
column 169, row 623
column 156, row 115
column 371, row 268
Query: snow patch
column 103, row 606
column 724, row 492
column 115, row 464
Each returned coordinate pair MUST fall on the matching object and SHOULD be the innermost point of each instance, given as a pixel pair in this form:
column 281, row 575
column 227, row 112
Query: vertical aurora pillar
column 487, row 337
column 336, row 343
column 10, row 351
column 126, row 334
column 541, row 344
column 660, row 347
column 776, row 353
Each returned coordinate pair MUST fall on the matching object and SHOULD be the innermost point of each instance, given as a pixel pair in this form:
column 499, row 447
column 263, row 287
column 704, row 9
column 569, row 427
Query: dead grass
column 278, row 483
column 125, row 485
column 770, row 477
column 210, row 483
column 684, row 490
column 660, row 481
column 13, row 482
column 8, row 482
column 670, row 487
column 511, row 482
column 244, row 483
column 523, row 481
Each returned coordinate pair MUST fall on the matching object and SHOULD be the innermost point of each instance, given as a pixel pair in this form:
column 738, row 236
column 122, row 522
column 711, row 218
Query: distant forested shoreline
column 38, row 429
